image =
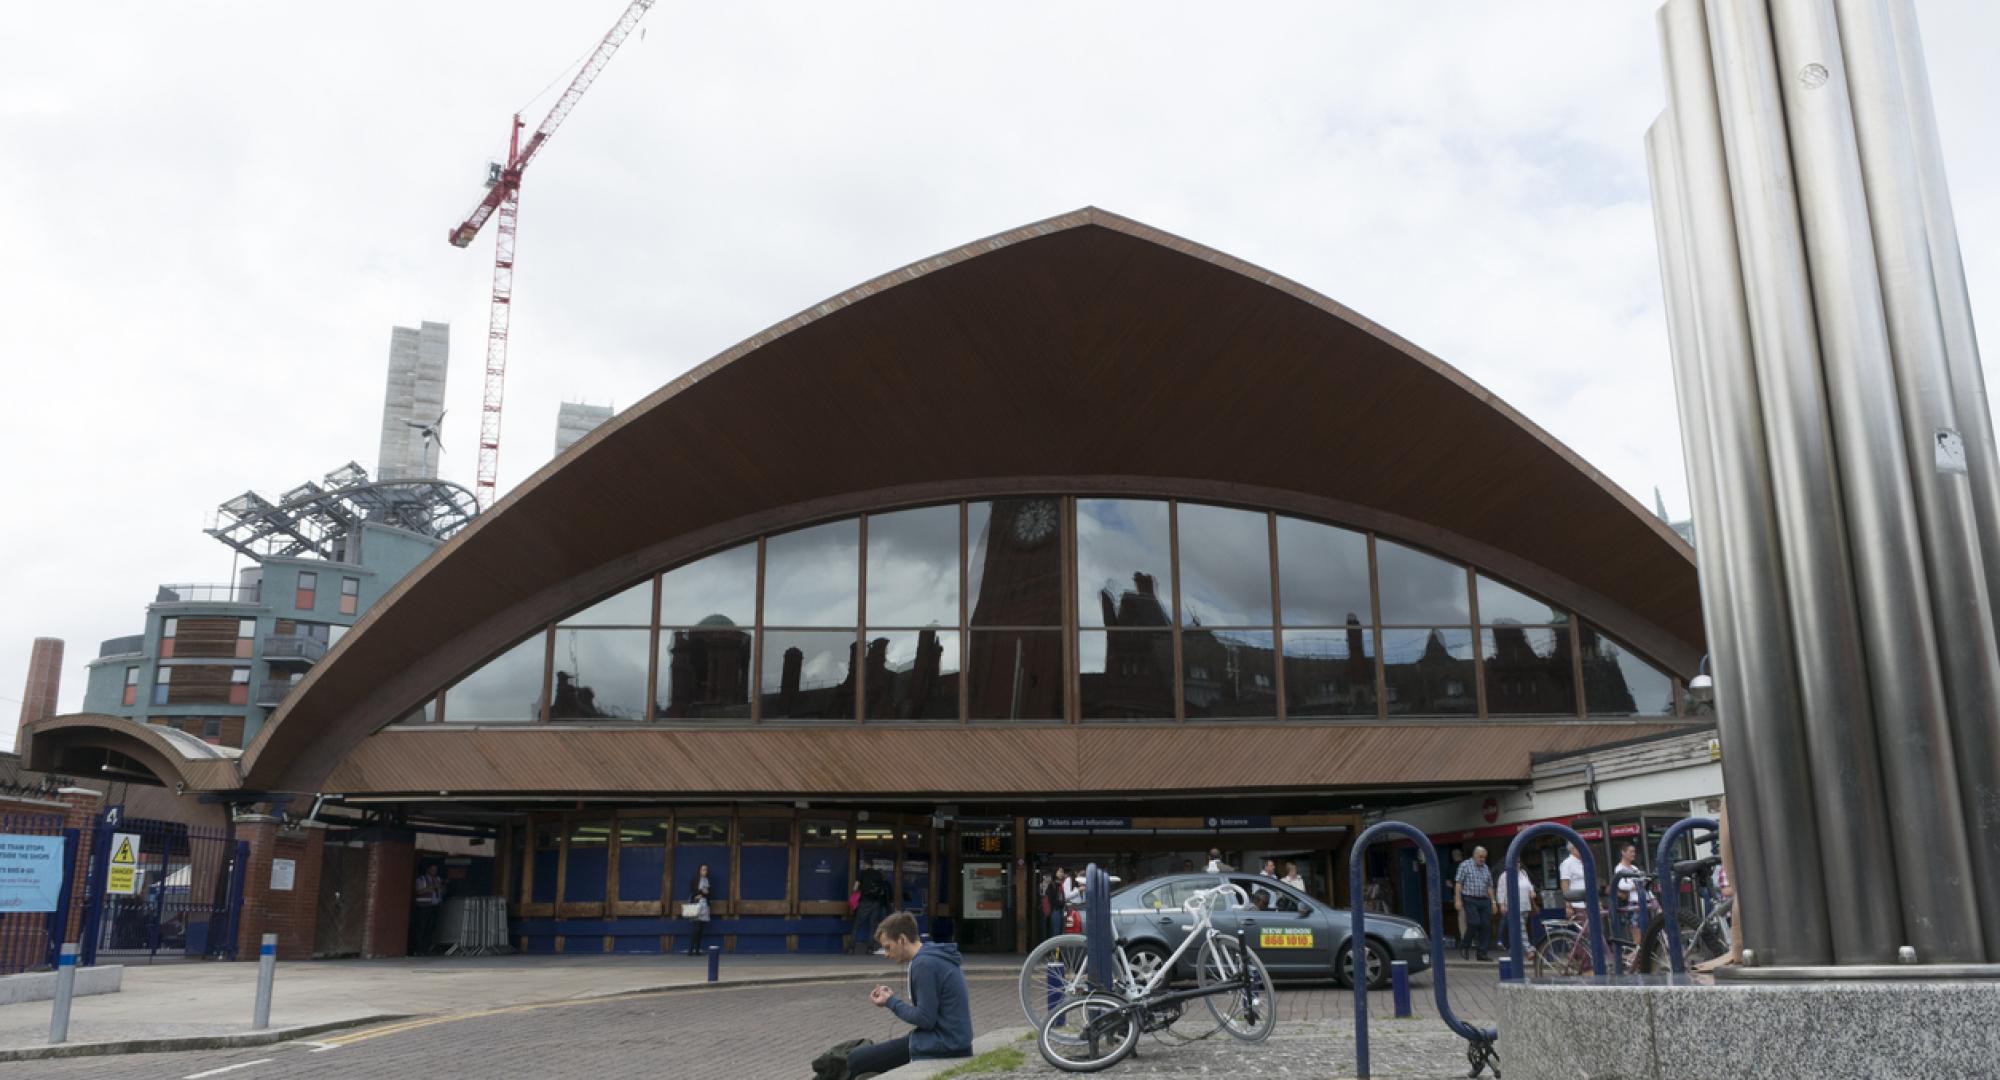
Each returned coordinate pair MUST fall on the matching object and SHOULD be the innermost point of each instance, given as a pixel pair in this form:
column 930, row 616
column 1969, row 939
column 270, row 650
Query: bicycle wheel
column 1088, row 1034
column 1655, row 957
column 1248, row 1015
column 1054, row 974
column 1560, row 954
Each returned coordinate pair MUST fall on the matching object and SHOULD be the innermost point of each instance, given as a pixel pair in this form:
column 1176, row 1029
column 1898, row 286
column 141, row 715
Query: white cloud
column 211, row 215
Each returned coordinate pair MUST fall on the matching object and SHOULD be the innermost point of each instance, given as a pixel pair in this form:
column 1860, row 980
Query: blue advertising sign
column 31, row 872
column 1079, row 823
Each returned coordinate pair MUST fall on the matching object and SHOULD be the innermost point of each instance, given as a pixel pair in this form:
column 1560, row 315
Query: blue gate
column 162, row 887
column 32, row 939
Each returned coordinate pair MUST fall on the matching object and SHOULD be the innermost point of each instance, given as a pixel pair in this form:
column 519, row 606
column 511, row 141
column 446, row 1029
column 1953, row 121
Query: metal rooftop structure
column 315, row 519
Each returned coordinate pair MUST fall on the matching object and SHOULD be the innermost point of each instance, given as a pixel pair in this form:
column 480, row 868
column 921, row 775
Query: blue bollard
column 1399, row 987
column 1506, row 969
column 714, row 963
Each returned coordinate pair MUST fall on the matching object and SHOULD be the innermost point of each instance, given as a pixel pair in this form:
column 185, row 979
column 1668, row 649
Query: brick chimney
column 44, row 681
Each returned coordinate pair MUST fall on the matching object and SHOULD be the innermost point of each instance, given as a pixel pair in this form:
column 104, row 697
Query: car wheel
column 1144, row 959
column 1378, row 966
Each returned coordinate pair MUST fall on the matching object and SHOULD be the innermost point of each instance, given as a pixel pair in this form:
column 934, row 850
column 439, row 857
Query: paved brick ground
column 773, row 1031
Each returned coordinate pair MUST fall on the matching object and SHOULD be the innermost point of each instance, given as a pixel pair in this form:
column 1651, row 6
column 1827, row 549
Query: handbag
column 691, row 909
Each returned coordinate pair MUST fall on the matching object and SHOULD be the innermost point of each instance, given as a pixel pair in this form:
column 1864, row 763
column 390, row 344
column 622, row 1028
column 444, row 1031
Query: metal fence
column 162, row 887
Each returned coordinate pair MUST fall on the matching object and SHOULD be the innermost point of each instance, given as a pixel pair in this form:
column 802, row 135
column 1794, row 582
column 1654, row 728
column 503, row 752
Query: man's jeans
column 881, row 1057
column 1479, row 922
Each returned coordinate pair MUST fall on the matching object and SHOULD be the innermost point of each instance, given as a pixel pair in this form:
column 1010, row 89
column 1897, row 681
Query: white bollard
column 65, row 989
column 267, row 970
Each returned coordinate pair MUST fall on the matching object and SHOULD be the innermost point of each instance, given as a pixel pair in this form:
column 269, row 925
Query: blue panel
column 636, row 943
column 584, row 882
column 542, row 944
column 593, row 943
column 689, row 857
column 821, row 943
column 545, row 877
column 766, row 872
column 823, row 873
column 639, row 872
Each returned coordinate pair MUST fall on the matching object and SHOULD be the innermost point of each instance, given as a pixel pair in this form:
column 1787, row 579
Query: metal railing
column 272, row 692
column 1670, row 890
column 1594, row 914
column 294, row 647
column 207, row 594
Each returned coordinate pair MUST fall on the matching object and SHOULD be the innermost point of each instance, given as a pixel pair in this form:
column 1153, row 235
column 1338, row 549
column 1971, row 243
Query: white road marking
column 228, row 1068
column 318, row 1047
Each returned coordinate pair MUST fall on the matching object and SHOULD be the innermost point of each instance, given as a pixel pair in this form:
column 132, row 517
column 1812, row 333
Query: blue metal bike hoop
column 1670, row 891
column 1594, row 914
column 1358, row 940
column 1097, row 933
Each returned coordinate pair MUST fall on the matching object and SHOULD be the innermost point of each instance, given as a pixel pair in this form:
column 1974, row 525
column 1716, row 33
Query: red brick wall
column 294, row 915
column 392, row 874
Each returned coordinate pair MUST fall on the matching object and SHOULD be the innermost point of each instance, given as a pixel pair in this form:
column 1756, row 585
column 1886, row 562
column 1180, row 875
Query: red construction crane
column 503, row 195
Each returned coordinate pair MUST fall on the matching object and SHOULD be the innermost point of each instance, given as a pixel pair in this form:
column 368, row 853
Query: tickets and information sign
column 124, row 877
column 1285, row 939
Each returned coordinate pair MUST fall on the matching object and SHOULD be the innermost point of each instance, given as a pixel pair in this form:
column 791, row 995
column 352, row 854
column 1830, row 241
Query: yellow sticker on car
column 1285, row 939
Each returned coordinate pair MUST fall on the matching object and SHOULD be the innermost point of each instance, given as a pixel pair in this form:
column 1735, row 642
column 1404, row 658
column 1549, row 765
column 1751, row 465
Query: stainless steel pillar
column 1897, row 624
column 1739, row 777
column 1746, row 533
column 1839, row 722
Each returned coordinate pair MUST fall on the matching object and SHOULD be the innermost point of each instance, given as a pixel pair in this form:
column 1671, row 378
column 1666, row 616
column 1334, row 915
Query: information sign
column 31, row 872
column 124, row 877
column 283, row 873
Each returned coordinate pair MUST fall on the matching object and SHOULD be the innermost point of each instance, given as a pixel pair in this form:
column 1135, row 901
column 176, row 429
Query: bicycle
column 1565, row 947
column 1705, row 933
column 1100, row 1028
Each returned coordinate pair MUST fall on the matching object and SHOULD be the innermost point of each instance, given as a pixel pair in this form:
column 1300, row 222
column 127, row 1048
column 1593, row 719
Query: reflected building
column 708, row 672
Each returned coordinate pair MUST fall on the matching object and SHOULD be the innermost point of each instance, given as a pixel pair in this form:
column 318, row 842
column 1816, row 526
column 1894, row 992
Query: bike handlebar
column 1195, row 904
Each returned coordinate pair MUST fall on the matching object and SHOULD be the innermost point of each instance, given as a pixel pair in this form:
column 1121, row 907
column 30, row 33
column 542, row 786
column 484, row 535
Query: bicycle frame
column 1203, row 928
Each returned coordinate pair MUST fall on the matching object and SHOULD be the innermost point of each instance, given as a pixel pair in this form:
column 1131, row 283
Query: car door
column 1288, row 934
column 1162, row 915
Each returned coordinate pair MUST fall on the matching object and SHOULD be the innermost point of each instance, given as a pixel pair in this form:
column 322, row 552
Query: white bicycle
column 1094, row 1027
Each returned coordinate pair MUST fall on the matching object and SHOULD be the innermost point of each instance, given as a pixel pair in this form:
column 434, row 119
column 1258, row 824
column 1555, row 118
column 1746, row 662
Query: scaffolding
column 322, row 519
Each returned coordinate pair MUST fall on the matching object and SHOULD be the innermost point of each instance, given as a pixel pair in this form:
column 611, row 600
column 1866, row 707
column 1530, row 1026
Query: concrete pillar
column 291, row 913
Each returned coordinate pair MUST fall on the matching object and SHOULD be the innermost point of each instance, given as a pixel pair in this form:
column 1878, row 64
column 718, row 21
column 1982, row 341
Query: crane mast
column 503, row 201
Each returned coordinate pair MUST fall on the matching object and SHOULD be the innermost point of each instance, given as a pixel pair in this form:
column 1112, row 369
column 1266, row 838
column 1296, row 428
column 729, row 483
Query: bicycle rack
column 1670, row 886
column 1480, row 1051
column 1097, row 931
column 1594, row 915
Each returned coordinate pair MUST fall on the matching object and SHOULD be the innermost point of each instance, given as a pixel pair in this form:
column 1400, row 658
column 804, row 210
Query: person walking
column 1473, row 890
column 1269, row 870
column 1055, row 900
column 1215, row 863
column 700, row 891
column 428, row 901
column 1516, row 907
column 1073, row 897
column 938, row 1010
column 1633, row 901
column 1292, row 877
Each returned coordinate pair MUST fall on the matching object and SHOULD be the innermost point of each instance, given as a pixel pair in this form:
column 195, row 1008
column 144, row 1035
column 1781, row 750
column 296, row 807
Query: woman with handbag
column 695, row 909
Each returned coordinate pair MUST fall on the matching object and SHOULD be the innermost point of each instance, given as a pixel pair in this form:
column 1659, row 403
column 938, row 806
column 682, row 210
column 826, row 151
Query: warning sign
column 1285, row 939
column 124, row 877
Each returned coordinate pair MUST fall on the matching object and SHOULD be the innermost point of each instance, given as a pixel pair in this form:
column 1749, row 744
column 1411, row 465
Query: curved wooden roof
column 1084, row 346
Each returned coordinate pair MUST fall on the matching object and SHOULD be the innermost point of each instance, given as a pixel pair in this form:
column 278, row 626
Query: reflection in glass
column 599, row 675
column 1502, row 604
column 912, row 674
column 630, row 607
column 1420, row 589
column 823, row 831
column 704, row 672
column 812, row 577
column 1229, row 674
column 702, row 830
column 724, row 584
column 1618, row 683
column 1322, row 574
column 913, row 567
column 763, row 830
column 508, row 687
column 1014, row 572
column 1429, row 672
column 1528, row 671
column 1126, row 674
column 808, row 675
column 1123, row 563
column 1225, row 566
column 1016, row 675
column 1330, row 672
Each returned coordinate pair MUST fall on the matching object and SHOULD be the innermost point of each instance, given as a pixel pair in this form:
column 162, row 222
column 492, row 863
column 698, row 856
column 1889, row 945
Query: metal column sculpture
column 1843, row 469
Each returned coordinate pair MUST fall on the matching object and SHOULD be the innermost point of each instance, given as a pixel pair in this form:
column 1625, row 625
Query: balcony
column 271, row 693
column 293, row 648
column 207, row 594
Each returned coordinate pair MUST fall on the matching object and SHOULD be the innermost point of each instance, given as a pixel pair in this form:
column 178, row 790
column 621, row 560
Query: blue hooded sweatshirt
column 939, row 1008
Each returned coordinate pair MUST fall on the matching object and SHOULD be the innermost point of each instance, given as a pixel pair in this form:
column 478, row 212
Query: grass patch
column 1005, row 1059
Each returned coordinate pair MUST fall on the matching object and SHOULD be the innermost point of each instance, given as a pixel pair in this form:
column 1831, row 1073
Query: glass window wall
column 913, row 675
column 1616, row 682
column 913, row 568
column 1014, row 570
column 812, row 576
column 808, row 675
column 1225, row 566
column 1126, row 674
column 508, row 687
column 600, row 674
column 1330, row 672
column 631, row 607
column 1124, row 563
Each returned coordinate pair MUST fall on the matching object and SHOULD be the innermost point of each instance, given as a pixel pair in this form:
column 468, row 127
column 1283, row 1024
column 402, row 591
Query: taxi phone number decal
column 1285, row 939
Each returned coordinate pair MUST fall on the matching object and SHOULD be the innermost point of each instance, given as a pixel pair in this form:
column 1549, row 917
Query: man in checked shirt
column 1474, row 893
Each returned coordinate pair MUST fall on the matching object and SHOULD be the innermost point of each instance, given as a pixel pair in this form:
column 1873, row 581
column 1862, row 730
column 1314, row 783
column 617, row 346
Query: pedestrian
column 696, row 910
column 874, row 905
column 1054, row 900
column 1270, row 869
column 1726, row 884
column 1073, row 900
column 1376, row 897
column 1473, row 890
column 1516, row 907
column 938, row 1009
column 429, row 900
column 1633, row 900
column 1215, row 863
column 1292, row 877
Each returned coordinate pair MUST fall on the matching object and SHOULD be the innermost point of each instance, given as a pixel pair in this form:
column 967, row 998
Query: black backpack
column 832, row 1065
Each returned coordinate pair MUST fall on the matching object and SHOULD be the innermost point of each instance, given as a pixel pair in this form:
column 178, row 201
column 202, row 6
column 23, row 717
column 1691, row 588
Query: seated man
column 939, row 1009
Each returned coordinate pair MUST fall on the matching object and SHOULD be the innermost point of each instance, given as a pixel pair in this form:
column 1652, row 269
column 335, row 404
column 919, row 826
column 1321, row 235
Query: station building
column 1078, row 543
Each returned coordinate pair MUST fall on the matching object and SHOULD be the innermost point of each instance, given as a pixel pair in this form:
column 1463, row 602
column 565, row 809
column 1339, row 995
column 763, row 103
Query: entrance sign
column 31, row 872
column 124, row 877
column 985, row 891
column 283, row 873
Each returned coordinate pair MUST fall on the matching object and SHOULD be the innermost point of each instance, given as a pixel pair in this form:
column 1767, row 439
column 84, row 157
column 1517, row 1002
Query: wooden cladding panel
column 958, row 761
column 199, row 684
column 201, row 638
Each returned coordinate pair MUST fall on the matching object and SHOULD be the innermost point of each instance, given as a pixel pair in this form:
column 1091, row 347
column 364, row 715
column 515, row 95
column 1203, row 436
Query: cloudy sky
column 212, row 213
